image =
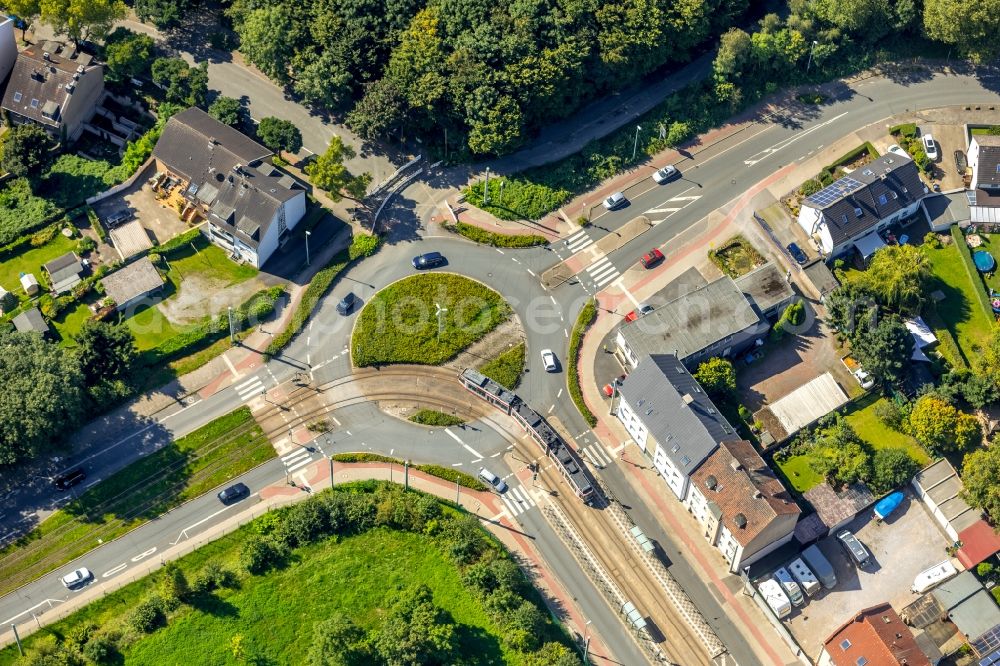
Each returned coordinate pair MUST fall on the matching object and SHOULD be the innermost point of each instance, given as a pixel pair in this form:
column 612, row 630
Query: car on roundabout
column 492, row 480
column 549, row 360
column 428, row 260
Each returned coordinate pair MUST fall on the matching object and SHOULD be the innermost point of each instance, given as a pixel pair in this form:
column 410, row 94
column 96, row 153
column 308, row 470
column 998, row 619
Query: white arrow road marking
column 111, row 572
column 184, row 532
column 144, row 554
column 784, row 143
column 464, row 445
column 8, row 621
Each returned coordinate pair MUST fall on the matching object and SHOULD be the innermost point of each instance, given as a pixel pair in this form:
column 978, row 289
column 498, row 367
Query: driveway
column 159, row 220
column 908, row 543
column 950, row 138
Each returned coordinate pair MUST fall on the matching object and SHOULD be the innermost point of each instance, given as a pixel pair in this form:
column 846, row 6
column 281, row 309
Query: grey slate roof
column 247, row 202
column 968, row 604
column 943, row 486
column 692, row 322
column 137, row 279
column 38, row 85
column 765, row 286
column 989, row 160
column 687, row 428
column 63, row 267
column 202, row 150
column 878, row 190
column 31, row 320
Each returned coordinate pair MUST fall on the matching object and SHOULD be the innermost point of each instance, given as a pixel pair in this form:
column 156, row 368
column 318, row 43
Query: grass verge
column 402, row 323
column 506, row 368
column 192, row 465
column 446, row 473
column 586, row 317
column 485, row 237
column 432, row 417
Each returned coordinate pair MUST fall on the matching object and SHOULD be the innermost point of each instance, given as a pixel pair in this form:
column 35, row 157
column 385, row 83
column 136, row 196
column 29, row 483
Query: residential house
column 64, row 272
column 766, row 289
column 876, row 636
column 31, row 321
column 671, row 419
column 972, row 610
column 715, row 319
column 133, row 285
column 54, row 86
column 867, row 201
column 940, row 489
column 984, row 190
column 249, row 205
column 744, row 509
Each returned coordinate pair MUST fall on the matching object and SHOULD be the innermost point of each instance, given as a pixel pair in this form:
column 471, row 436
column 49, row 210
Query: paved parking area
column 901, row 548
column 949, row 138
column 160, row 220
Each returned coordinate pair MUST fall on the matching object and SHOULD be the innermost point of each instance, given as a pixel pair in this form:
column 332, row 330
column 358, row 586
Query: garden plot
column 803, row 406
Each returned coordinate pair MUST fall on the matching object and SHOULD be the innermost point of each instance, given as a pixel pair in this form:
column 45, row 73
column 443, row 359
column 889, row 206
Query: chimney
column 46, row 56
column 735, row 464
column 688, row 399
column 757, row 494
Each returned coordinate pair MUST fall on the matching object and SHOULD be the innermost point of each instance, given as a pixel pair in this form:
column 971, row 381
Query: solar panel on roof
column 835, row 192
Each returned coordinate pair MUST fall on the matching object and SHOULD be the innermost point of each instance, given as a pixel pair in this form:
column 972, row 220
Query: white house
column 249, row 204
column 984, row 190
column 868, row 200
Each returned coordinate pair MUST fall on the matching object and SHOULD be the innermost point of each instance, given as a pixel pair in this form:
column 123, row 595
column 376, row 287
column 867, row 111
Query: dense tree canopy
column 981, row 476
column 327, row 172
column 717, row 376
column 128, row 54
column 106, row 351
column 82, row 19
column 27, row 151
column 278, row 134
column 41, row 395
column 338, row 641
column 898, row 276
column 971, row 27
column 415, row 631
column 884, row 349
column 184, row 84
column 227, row 110
column 941, row 427
column 488, row 76
column 161, row 13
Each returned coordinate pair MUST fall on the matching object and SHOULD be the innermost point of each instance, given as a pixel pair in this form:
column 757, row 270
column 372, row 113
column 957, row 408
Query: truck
column 789, row 585
column 775, row 597
column 804, row 576
column 820, row 566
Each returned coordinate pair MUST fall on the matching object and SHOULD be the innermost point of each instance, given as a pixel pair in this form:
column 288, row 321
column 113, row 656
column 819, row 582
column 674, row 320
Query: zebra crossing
column 517, row 499
column 601, row 272
column 299, row 457
column 250, row 388
column 577, row 241
column 597, row 455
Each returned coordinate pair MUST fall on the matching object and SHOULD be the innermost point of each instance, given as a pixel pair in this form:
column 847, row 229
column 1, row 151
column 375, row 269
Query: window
column 882, row 199
column 17, row 97
column 861, row 661
column 685, row 460
column 998, row 166
column 844, row 644
column 34, row 103
column 858, row 212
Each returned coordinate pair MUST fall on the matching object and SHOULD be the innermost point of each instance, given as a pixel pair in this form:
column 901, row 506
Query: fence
column 779, row 627
column 121, row 187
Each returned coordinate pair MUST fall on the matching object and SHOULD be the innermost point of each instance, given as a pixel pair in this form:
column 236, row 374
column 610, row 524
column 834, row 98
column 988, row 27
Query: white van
column 789, row 585
column 775, row 597
column 804, row 575
column 938, row 573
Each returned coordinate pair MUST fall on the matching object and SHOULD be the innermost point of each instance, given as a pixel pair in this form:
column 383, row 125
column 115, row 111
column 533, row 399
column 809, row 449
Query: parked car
column 897, row 149
column 642, row 309
column 651, row 258
column 775, row 597
column 233, row 493
column 69, row 479
column 549, row 360
column 797, row 254
column 347, row 303
column 666, row 174
column 856, row 550
column 865, row 379
column 493, row 480
column 428, row 260
column 930, row 147
column 616, row 200
column 76, row 578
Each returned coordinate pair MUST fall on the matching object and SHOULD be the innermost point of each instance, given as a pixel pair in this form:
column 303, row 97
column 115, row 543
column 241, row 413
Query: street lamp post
column 614, row 392
column 232, row 327
column 308, row 233
column 810, row 61
column 440, row 311
column 586, row 643
column 635, row 144
column 329, row 457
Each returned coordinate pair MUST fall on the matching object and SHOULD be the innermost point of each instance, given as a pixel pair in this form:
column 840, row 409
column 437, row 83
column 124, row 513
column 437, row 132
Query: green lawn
column 959, row 310
column 873, row 431
column 193, row 465
column 506, row 368
column 208, row 261
column 70, row 321
column 150, row 327
column 799, row 474
column 31, row 261
column 401, row 323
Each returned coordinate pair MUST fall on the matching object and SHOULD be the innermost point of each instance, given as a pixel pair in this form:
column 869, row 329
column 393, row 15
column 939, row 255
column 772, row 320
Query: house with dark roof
column 56, row 87
column 743, row 508
column 31, row 321
column 715, row 319
column 64, row 272
column 875, row 636
column 866, row 201
column 671, row 419
column 8, row 47
column 767, row 289
column 249, row 205
column 984, row 190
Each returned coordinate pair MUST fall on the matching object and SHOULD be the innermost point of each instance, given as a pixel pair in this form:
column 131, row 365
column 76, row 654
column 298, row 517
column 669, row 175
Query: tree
column 27, row 152
column 940, row 427
column 337, row 641
column 105, row 351
column 161, row 13
column 415, row 631
column 898, row 275
column 82, row 19
column 989, row 360
column 552, row 654
column 840, row 456
column 184, row 84
column 981, row 476
column 884, row 350
column 891, row 468
column 735, row 50
column 174, row 588
column 971, row 27
column 717, row 376
column 128, row 54
column 226, row 110
column 496, row 123
column 268, row 39
column 26, row 10
column 41, row 395
column 323, row 80
column 278, row 134
column 381, row 110
column 327, row 172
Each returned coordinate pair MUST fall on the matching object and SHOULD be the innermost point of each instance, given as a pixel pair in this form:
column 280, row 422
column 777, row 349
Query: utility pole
column 635, row 144
column 445, row 144
column 502, row 181
column 17, row 638
column 406, row 474
column 486, row 188
column 458, row 492
column 810, row 61
column 232, row 327
column 263, row 394
column 329, row 457
column 440, row 311
column 614, row 392
column 308, row 233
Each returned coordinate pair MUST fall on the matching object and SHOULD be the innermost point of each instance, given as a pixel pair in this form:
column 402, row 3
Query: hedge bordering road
column 446, row 473
column 583, row 322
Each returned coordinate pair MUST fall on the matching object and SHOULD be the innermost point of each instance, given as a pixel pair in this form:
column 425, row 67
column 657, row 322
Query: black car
column 347, row 303
column 69, row 479
column 233, row 493
column 429, row 260
column 797, row 254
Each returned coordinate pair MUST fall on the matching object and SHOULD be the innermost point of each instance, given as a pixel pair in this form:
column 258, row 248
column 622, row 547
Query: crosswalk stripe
column 694, row 197
column 301, row 463
column 663, row 210
column 597, row 275
column 297, row 453
column 599, row 265
column 577, row 235
column 512, row 507
column 578, row 245
column 606, row 279
column 253, row 380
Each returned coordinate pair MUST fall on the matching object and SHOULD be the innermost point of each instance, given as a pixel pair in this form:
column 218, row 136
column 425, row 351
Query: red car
column 651, row 258
column 631, row 316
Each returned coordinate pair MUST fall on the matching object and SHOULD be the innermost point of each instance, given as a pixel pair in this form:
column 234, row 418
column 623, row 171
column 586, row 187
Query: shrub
column 793, row 315
column 363, row 245
column 485, row 237
column 890, row 414
column 259, row 554
column 213, row 577
column 891, row 468
column 147, row 616
column 86, row 244
column 174, row 588
column 453, row 475
column 984, row 569
column 583, row 321
column 506, row 368
column 432, row 417
column 522, row 199
column 172, row 246
column 100, row 649
column 810, row 187
column 932, row 240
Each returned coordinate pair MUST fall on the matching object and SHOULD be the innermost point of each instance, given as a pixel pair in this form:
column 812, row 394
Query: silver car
column 493, row 480
column 616, row 200
column 856, row 550
column 77, row 578
column 930, row 147
column 666, row 174
column 549, row 360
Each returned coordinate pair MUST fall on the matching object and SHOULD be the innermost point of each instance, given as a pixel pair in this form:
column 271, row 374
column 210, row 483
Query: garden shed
column 130, row 286
column 64, row 272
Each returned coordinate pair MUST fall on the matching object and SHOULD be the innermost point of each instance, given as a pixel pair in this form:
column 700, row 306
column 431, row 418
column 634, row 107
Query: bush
column 363, row 245
column 506, row 368
column 984, row 569
column 432, row 417
column 793, row 316
column 259, row 554
column 453, row 475
column 485, row 237
column 177, row 243
column 147, row 616
column 86, row 244
column 932, row 240
column 810, row 187
column 100, row 649
column 583, row 321
column 890, row 414
column 522, row 199
column 214, row 576
column 891, row 468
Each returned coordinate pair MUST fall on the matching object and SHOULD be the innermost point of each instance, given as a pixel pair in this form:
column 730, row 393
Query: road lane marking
column 531, row 272
column 784, row 143
column 559, row 394
column 464, row 445
column 664, row 210
column 118, row 569
column 554, row 301
column 145, row 553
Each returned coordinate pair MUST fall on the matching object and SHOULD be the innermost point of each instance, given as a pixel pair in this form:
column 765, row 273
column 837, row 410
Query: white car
column 78, row 577
column 549, row 360
column 493, row 480
column 616, row 200
column 666, row 174
column 930, row 147
column 897, row 149
column 866, row 380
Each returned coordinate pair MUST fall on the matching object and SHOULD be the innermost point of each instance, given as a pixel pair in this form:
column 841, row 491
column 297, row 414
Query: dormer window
column 17, row 97
column 882, row 199
column 34, row 103
column 858, row 212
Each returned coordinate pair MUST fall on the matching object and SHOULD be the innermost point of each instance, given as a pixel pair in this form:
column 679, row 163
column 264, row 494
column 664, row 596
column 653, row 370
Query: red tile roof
column 979, row 541
column 875, row 636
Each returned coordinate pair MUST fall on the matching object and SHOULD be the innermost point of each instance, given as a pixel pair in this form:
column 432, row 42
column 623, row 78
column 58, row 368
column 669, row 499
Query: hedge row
column 446, row 473
column 177, row 243
column 587, row 316
column 479, row 235
column 432, row 417
column 972, row 272
column 506, row 368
